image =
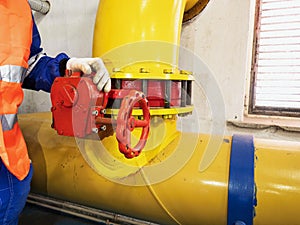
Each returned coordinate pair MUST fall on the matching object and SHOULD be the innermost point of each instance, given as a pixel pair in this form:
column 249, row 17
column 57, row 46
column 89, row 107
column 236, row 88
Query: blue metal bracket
column 241, row 185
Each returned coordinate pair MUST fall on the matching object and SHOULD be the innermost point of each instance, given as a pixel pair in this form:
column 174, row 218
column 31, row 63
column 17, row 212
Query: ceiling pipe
column 41, row 6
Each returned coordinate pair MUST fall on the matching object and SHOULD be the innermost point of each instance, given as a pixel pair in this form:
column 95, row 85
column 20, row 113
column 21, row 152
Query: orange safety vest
column 15, row 41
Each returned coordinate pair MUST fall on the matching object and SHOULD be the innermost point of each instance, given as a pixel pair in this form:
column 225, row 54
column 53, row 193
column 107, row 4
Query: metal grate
column 276, row 59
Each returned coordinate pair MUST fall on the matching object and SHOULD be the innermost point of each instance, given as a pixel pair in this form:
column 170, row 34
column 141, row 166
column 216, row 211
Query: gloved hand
column 89, row 65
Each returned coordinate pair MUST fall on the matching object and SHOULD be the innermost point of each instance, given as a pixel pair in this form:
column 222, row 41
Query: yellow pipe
column 187, row 196
column 277, row 179
column 121, row 23
column 140, row 31
column 180, row 195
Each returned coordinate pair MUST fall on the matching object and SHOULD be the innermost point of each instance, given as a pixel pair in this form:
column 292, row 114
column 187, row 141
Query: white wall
column 68, row 27
column 220, row 38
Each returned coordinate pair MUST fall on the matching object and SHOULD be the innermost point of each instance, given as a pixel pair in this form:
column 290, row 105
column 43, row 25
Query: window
column 275, row 81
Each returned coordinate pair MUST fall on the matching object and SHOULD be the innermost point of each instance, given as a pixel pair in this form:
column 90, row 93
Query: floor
column 34, row 215
column 46, row 210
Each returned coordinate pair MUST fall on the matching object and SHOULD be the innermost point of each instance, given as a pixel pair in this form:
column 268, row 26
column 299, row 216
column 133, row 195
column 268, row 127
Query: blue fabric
column 46, row 69
column 36, row 41
column 44, row 73
column 13, row 195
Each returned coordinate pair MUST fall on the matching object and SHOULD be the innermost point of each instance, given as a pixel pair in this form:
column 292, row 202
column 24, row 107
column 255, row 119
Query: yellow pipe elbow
column 119, row 23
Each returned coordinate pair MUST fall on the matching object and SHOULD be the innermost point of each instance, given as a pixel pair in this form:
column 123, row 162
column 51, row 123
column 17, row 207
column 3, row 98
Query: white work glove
column 88, row 65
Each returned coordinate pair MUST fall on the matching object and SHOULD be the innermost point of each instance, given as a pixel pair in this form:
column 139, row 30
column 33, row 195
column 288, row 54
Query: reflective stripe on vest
column 15, row 40
column 8, row 121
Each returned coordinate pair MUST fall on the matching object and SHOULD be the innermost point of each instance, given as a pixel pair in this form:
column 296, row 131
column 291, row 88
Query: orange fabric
column 11, row 97
column 15, row 41
column 3, row 153
column 16, row 32
column 15, row 158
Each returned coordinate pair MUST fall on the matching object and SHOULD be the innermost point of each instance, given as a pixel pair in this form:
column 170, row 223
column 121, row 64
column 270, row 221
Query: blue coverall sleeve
column 45, row 69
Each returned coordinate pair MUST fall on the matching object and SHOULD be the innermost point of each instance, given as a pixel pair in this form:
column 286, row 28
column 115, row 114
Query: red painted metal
column 126, row 123
column 75, row 104
column 78, row 109
column 155, row 89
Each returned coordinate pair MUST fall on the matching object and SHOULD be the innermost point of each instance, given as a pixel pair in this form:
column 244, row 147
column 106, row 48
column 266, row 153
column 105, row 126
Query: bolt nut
column 95, row 113
column 95, row 130
column 144, row 70
column 116, row 70
column 103, row 128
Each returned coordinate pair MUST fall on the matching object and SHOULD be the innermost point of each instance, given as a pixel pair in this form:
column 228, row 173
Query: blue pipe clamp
column 241, row 185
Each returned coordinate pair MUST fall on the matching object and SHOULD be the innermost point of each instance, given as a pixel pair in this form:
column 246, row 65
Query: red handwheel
column 126, row 123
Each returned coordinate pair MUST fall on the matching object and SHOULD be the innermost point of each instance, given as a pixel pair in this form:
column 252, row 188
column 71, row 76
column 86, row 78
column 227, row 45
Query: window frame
column 252, row 108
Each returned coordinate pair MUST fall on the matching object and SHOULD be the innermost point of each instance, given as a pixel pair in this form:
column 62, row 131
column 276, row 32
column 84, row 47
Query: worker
column 23, row 64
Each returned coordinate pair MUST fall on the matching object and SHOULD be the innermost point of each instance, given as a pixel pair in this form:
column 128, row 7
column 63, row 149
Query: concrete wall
column 68, row 27
column 217, row 46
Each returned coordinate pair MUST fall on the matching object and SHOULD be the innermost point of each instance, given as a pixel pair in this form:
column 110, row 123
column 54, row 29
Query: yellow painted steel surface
column 169, row 189
column 277, row 176
column 140, row 40
column 104, row 157
column 181, row 195
column 121, row 23
column 158, row 70
column 190, row 4
column 167, row 113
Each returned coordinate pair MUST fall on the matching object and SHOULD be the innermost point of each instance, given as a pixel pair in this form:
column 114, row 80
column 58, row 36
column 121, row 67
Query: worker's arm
column 43, row 69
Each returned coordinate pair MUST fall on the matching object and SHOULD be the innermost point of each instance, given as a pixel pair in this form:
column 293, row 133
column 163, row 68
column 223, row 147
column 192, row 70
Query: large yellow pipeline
column 181, row 197
column 186, row 197
column 277, row 176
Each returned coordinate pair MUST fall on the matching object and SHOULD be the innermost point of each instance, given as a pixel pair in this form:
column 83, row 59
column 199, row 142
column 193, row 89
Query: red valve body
column 77, row 110
column 75, row 100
